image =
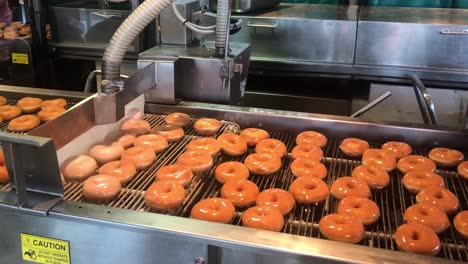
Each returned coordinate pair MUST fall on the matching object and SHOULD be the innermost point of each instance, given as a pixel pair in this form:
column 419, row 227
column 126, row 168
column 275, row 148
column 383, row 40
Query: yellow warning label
column 20, row 58
column 45, row 250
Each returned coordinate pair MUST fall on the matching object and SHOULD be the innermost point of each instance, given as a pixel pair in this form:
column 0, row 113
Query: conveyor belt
column 303, row 220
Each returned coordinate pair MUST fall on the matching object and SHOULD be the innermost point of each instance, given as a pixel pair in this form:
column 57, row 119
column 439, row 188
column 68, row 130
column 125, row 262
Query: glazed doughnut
column 176, row 172
column 3, row 100
column 360, row 207
column 136, row 126
column 309, row 151
column 207, row 126
column 164, row 195
column 101, row 188
column 440, row 197
column 416, row 180
column 231, row 170
column 416, row 238
column 207, row 144
column 29, row 104
column 232, row 144
column 178, row 119
column 309, row 190
column 343, row 228
column 463, row 169
column 140, row 157
column 379, row 158
column 304, row 167
column 311, row 137
column 272, row 146
column 428, row 215
column 354, row 147
column 4, row 174
column 79, row 168
column 16, row 24
column 170, row 132
column 262, row 163
column 398, row 149
column 123, row 170
column 24, row 123
column 347, row 186
column 375, row 177
column 51, row 112
column 446, row 157
column 278, row 198
column 8, row 112
column 461, row 223
column 197, row 161
column 103, row 154
column 263, row 217
column 411, row 162
column 242, row 193
column 155, row 142
column 59, row 102
column 214, row 209
column 126, row 140
column 254, row 135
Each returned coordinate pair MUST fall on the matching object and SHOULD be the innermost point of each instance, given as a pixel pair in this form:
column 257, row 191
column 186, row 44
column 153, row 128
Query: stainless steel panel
column 246, row 6
column 172, row 30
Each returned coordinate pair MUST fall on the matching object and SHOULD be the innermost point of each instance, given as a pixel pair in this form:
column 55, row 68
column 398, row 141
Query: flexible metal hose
column 222, row 26
column 126, row 34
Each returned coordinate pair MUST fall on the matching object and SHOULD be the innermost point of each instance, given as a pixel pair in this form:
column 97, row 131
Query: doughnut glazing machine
column 44, row 219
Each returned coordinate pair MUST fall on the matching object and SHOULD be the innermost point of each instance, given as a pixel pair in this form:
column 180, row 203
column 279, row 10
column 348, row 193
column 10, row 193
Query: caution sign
column 20, row 58
column 45, row 250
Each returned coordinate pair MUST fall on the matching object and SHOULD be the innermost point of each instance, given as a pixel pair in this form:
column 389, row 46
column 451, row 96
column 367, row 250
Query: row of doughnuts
column 48, row 110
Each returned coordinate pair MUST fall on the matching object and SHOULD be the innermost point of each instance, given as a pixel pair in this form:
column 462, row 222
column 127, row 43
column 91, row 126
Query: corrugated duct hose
column 136, row 22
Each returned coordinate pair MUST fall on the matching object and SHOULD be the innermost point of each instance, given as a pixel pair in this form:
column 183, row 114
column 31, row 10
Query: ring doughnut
column 254, row 135
column 164, row 195
column 439, row 197
column 416, row 238
column 309, row 190
column 59, row 102
column 412, row 162
column 428, row 215
column 242, row 193
column 263, row 217
column 3, row 100
column 278, row 198
column 347, row 186
column 140, row 157
column 50, row 112
column 126, row 140
column 231, row 170
column 263, row 163
column 398, row 149
column 178, row 119
column 463, row 169
column 379, row 158
column 8, row 112
column 155, row 142
column 103, row 154
column 311, row 137
column 170, row 132
column 214, row 209
column 207, row 144
column 24, row 123
column 272, row 146
column 29, row 104
column 309, row 151
column 446, row 157
column 343, row 228
column 375, row 177
column 197, row 161
column 207, row 126
column 79, row 168
column 461, row 223
column 176, row 172
column 360, row 207
column 416, row 180
column 4, row 174
column 354, row 147
column 121, row 169
column 136, row 126
column 101, row 188
column 304, row 167
column 232, row 144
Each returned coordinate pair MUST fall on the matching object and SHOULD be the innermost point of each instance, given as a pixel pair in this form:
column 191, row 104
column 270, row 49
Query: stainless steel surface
column 172, row 30
column 246, row 6
column 167, row 74
column 93, row 75
column 372, row 104
column 424, row 100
